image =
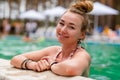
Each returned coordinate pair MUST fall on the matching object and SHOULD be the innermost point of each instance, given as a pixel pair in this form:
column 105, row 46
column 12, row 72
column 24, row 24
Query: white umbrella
column 32, row 14
column 55, row 12
column 101, row 9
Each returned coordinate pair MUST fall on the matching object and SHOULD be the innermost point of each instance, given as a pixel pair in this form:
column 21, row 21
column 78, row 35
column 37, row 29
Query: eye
column 61, row 23
column 71, row 27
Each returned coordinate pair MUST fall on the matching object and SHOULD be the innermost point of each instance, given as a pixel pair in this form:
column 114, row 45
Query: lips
column 62, row 36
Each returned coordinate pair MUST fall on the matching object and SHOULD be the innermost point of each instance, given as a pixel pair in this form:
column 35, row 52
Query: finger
column 46, row 64
column 37, row 68
column 41, row 65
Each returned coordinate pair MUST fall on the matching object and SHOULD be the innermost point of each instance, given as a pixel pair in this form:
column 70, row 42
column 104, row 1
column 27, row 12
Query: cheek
column 74, row 35
column 77, row 35
column 57, row 29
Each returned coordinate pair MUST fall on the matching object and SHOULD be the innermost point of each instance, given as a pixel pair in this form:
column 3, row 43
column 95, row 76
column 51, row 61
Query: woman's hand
column 43, row 65
column 49, row 59
column 39, row 66
column 32, row 65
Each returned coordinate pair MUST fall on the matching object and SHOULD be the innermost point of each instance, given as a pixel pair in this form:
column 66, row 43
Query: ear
column 82, row 36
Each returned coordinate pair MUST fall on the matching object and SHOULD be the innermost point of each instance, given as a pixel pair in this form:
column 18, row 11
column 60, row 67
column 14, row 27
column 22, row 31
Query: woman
column 70, row 59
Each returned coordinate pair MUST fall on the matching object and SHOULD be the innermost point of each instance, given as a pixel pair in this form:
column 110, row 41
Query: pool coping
column 8, row 72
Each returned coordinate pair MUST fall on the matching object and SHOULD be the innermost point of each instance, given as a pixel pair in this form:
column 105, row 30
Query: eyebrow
column 72, row 24
column 62, row 20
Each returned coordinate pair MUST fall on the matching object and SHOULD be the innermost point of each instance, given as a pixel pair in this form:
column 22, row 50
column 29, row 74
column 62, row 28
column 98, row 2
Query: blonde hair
column 82, row 7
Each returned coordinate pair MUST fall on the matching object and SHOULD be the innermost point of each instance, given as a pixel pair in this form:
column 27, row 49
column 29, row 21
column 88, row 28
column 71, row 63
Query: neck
column 67, row 50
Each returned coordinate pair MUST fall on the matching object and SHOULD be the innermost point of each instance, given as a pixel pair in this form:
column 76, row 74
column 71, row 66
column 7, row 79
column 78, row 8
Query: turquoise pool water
column 105, row 56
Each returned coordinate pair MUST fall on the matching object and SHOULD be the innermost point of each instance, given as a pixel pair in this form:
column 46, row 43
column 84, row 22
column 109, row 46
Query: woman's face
column 68, row 29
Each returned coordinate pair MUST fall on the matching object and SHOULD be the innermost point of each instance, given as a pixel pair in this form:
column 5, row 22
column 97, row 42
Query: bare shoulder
column 82, row 57
column 86, row 54
column 49, row 50
column 82, row 54
column 52, row 49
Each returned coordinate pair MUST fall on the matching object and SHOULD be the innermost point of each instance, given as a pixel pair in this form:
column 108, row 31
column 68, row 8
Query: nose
column 64, row 29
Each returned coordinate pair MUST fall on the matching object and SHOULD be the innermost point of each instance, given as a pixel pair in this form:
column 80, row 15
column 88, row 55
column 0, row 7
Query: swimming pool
column 105, row 57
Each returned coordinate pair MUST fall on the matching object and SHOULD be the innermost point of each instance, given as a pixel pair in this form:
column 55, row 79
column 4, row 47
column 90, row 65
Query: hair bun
column 84, row 6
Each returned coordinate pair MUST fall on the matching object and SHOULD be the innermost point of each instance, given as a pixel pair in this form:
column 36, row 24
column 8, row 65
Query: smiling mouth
column 62, row 36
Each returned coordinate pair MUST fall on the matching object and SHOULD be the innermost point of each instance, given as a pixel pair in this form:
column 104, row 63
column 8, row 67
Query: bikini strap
column 82, row 47
column 72, row 53
column 58, row 53
column 75, row 51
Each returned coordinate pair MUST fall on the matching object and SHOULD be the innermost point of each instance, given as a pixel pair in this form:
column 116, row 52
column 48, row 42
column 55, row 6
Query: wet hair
column 82, row 7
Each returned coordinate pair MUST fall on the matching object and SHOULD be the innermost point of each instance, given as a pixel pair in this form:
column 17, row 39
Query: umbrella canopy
column 55, row 12
column 32, row 14
column 101, row 9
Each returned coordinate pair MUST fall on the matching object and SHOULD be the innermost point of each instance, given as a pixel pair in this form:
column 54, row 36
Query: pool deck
column 7, row 72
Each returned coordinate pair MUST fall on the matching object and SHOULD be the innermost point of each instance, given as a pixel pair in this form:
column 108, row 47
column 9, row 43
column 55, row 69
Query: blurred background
column 27, row 25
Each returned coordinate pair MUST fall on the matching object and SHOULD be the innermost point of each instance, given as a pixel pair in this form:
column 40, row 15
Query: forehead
column 71, row 17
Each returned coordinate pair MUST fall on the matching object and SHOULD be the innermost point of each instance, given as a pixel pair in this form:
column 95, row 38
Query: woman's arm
column 34, row 56
column 72, row 67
